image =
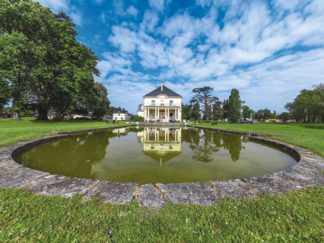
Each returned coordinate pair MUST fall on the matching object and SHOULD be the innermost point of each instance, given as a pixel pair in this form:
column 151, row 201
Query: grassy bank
column 295, row 217
column 12, row 131
column 310, row 136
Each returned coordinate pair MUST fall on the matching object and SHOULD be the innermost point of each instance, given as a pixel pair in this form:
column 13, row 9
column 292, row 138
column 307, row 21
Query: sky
column 268, row 50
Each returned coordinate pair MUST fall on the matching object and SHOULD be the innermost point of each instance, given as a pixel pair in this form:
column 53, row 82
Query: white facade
column 140, row 111
column 119, row 116
column 161, row 105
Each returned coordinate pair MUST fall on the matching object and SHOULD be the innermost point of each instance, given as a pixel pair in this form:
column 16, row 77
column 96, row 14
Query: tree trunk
column 15, row 112
column 15, row 115
column 42, row 114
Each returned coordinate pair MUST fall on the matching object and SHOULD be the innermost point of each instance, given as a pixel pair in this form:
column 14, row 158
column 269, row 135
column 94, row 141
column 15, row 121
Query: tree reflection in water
column 204, row 143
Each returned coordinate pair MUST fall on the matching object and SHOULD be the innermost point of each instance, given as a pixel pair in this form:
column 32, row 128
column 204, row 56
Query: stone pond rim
column 305, row 173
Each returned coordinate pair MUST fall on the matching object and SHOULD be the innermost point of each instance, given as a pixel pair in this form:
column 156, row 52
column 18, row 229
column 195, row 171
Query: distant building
column 120, row 116
column 161, row 105
column 106, row 118
column 140, row 111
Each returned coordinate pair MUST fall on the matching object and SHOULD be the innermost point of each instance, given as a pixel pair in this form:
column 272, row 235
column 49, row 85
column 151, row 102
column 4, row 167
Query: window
column 171, row 102
column 153, row 102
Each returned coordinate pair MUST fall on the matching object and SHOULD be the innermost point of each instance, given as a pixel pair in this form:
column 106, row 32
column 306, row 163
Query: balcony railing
column 164, row 105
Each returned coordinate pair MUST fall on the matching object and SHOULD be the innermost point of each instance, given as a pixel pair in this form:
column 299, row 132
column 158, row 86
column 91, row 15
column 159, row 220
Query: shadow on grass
column 312, row 126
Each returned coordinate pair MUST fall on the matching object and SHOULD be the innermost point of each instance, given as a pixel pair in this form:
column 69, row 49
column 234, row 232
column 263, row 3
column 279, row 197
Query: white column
column 180, row 114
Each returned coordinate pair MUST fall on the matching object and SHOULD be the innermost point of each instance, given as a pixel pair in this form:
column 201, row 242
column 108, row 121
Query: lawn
column 293, row 217
column 310, row 136
column 12, row 131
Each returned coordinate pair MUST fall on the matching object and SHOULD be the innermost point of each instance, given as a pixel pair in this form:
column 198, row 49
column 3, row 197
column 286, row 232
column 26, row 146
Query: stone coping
column 305, row 173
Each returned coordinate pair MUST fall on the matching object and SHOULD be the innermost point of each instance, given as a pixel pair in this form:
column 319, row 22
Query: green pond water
column 152, row 155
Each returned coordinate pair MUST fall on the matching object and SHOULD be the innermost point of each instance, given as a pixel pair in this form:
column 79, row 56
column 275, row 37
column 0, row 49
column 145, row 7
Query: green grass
column 310, row 136
column 295, row 217
column 12, row 131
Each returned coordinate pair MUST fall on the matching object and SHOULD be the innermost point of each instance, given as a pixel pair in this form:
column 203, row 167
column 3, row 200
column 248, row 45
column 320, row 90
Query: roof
column 162, row 90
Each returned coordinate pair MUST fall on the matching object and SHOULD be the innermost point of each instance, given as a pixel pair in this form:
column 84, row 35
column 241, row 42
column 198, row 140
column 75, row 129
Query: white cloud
column 55, row 5
column 157, row 4
column 132, row 11
column 267, row 53
column 64, row 6
column 76, row 18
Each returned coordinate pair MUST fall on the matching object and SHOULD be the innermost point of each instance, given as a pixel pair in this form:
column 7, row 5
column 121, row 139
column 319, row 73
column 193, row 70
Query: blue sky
column 269, row 50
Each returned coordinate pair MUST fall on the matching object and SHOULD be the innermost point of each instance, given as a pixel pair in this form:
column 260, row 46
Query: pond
column 155, row 155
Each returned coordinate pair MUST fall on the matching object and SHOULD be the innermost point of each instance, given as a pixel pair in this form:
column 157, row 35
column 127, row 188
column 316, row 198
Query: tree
column 308, row 106
column 264, row 114
column 217, row 110
column 186, row 111
column 66, row 82
column 42, row 60
column 101, row 103
column 4, row 92
column 204, row 97
column 284, row 116
column 225, row 109
column 195, row 111
column 234, row 104
column 18, row 56
column 246, row 112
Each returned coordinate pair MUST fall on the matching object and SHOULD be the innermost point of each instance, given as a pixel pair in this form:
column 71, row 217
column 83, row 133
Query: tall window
column 171, row 102
column 153, row 102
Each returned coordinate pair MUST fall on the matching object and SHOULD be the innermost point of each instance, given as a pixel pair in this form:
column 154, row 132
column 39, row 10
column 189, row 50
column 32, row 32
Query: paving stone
column 190, row 193
column 19, row 177
column 112, row 192
column 304, row 177
column 314, row 162
column 150, row 197
column 8, row 164
column 233, row 189
column 60, row 185
column 269, row 185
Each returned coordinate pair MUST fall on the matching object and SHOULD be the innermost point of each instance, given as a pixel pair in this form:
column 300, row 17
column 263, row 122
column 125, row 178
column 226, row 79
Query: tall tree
column 217, row 110
column 234, row 104
column 54, row 69
column 204, row 97
column 18, row 57
column 225, row 109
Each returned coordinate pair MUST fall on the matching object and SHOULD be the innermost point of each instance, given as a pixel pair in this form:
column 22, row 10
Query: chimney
column 161, row 86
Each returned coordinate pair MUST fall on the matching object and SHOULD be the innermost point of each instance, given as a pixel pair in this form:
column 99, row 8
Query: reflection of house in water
column 120, row 131
column 161, row 144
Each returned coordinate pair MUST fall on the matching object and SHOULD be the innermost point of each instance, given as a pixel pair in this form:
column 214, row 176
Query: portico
column 162, row 114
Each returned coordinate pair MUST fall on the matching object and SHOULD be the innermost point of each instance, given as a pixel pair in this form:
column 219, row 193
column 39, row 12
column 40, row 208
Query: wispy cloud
column 268, row 49
column 65, row 6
